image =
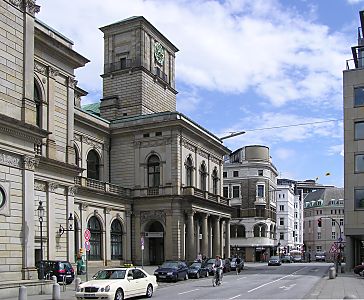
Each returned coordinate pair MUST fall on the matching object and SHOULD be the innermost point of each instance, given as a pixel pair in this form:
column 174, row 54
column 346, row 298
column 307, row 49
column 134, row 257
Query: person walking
column 238, row 265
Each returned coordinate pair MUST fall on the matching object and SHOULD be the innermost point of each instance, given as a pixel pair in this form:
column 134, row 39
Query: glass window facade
column 358, row 96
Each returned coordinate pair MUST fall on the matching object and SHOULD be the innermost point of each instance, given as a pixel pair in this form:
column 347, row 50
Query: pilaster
column 205, row 236
column 71, row 190
column 127, row 241
column 51, row 144
column 107, row 240
column 216, row 236
column 70, row 119
column 51, row 220
column 227, row 238
column 191, row 254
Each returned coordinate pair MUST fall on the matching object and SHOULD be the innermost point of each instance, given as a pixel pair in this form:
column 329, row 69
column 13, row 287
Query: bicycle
column 217, row 278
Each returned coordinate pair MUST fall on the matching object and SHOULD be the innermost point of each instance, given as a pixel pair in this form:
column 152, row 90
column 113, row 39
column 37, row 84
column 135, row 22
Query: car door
column 129, row 284
column 141, row 281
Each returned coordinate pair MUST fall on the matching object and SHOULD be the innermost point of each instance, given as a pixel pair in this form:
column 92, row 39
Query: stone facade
column 140, row 171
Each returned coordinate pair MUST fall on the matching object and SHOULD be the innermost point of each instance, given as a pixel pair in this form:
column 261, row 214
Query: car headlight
column 107, row 288
column 78, row 289
column 155, row 273
column 170, row 273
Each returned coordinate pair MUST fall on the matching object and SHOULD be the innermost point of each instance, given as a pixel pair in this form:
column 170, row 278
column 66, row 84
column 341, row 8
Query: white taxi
column 118, row 284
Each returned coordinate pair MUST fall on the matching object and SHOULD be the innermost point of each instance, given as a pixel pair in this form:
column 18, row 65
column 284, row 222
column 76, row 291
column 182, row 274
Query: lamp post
column 61, row 230
column 40, row 217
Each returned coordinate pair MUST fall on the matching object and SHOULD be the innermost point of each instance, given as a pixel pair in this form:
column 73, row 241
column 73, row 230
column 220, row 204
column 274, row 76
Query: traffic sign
column 340, row 239
column 87, row 235
column 87, row 246
column 142, row 241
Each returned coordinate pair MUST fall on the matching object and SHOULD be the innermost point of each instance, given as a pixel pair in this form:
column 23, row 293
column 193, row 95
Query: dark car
column 197, row 270
column 287, row 259
column 274, row 261
column 320, row 256
column 359, row 269
column 62, row 269
column 208, row 265
column 172, row 270
column 226, row 265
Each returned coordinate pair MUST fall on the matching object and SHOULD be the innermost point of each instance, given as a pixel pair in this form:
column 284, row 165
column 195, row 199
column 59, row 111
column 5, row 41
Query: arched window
column 77, row 155
column 260, row 230
column 189, row 171
column 203, row 177
column 240, row 231
column 38, row 105
column 116, row 240
column 271, row 231
column 93, row 165
column 95, row 239
column 257, row 230
column 153, row 171
column 233, row 231
column 215, row 181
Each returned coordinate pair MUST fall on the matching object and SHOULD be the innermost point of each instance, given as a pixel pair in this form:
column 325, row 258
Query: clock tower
column 139, row 70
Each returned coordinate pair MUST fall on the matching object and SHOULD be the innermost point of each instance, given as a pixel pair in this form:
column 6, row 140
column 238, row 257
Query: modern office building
column 250, row 181
column 353, row 90
column 130, row 169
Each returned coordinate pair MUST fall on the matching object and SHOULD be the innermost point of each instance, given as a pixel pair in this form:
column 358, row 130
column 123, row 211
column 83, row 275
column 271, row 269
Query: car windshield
column 211, row 261
column 287, row 257
column 195, row 265
column 110, row 274
column 320, row 253
column 170, row 264
column 274, row 257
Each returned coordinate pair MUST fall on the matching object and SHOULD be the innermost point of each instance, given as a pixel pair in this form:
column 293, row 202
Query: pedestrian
column 238, row 265
column 199, row 257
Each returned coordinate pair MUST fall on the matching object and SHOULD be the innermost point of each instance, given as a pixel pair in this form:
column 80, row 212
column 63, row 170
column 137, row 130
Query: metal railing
column 190, row 190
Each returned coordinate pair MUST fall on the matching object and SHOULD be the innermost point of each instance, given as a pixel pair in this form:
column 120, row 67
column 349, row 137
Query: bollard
column 77, row 283
column 54, row 278
column 56, row 292
column 22, row 293
column 332, row 273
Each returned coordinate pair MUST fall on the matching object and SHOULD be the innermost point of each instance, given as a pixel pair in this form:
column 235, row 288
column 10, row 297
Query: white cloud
column 284, row 153
column 226, row 46
column 336, row 149
column 354, row 1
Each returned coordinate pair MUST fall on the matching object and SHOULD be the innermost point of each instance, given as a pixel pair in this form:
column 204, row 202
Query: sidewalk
column 344, row 286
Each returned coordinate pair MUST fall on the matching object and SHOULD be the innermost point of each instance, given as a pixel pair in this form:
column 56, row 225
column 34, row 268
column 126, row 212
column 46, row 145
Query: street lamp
column 40, row 217
column 232, row 134
column 61, row 229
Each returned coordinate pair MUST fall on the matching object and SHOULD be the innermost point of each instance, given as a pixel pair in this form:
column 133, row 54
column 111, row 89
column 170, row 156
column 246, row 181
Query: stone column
column 190, row 237
column 349, row 253
column 127, row 240
column 70, row 155
column 205, row 236
column 227, row 238
column 222, row 225
column 49, row 234
column 51, row 144
column 198, row 249
column 216, row 236
column 29, row 210
column 28, row 110
column 70, row 224
column 107, row 241
column 169, row 246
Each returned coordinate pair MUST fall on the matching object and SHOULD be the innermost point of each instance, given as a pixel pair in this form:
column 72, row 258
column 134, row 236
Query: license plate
column 89, row 295
column 162, row 276
column 68, row 275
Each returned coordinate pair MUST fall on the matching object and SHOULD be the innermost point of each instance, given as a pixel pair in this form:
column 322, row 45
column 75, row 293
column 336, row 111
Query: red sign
column 87, row 235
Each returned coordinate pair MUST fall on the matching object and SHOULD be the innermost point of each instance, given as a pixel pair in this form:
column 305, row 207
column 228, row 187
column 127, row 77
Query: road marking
column 286, row 288
column 188, row 292
column 240, row 278
column 258, row 287
column 234, row 297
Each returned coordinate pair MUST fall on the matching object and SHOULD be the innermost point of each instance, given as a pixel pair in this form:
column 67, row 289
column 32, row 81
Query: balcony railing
column 122, row 64
column 161, row 74
column 190, row 190
column 102, row 186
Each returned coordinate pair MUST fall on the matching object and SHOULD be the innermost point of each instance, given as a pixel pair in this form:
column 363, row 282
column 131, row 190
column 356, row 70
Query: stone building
column 353, row 92
column 130, row 168
column 250, row 180
column 328, row 206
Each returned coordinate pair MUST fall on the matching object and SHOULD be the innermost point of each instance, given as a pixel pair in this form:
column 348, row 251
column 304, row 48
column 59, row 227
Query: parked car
column 359, row 269
column 208, row 263
column 234, row 265
column 197, row 270
column 320, row 256
column 118, row 283
column 172, row 270
column 62, row 269
column 296, row 258
column 274, row 261
column 287, row 259
column 226, row 265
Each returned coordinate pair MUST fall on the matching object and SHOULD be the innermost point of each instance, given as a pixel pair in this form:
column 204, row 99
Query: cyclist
column 218, row 266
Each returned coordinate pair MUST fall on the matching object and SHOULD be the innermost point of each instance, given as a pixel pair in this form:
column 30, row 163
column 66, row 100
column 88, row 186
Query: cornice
column 59, row 166
column 22, row 130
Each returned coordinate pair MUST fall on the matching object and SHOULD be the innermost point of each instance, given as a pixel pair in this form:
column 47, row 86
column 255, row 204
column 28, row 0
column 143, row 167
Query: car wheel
column 186, row 277
column 149, row 292
column 119, row 295
column 197, row 275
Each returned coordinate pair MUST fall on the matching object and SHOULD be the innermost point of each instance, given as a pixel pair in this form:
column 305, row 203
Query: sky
column 272, row 68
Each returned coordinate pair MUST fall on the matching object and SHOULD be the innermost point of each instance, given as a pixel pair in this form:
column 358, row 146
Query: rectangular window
column 281, row 207
column 296, row 215
column 226, row 191
column 260, row 172
column 281, row 221
column 236, row 192
column 333, row 235
column 309, row 223
column 260, row 191
column 236, row 173
column 359, row 198
column 333, row 223
column 359, row 130
column 158, row 133
column 341, row 222
column 359, row 163
column 295, row 225
column 224, row 174
column 318, row 248
column 319, row 235
column 358, row 96
column 146, row 135
column 281, row 235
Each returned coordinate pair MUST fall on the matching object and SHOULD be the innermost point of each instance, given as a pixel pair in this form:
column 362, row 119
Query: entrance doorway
column 155, row 235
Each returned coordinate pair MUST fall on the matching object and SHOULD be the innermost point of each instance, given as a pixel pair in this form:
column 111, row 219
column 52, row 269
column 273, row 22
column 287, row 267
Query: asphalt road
column 289, row 281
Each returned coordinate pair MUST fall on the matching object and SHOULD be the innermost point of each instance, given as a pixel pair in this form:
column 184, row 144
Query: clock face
column 158, row 53
column 2, row 198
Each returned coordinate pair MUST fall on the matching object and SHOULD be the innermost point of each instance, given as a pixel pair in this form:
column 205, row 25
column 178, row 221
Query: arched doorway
column 155, row 236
